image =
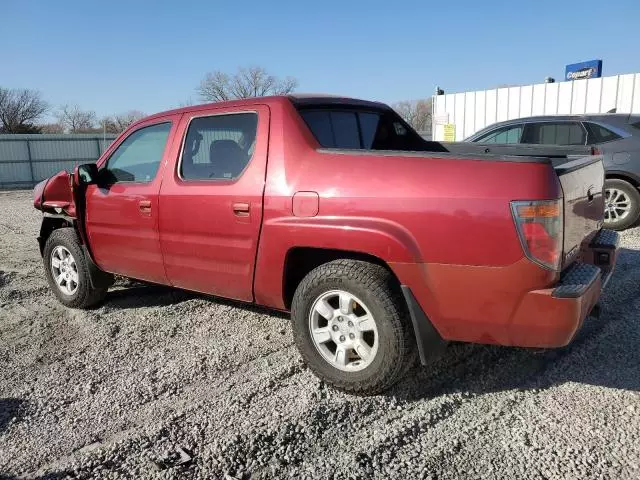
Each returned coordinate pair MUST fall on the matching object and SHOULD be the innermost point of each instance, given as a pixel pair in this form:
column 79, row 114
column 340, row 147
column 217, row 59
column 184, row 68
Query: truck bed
column 519, row 150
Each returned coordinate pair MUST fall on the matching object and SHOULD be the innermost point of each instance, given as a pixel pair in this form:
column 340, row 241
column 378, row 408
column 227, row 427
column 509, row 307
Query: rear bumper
column 551, row 317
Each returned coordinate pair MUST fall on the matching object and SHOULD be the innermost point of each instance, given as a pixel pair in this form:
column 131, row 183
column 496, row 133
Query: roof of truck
column 296, row 98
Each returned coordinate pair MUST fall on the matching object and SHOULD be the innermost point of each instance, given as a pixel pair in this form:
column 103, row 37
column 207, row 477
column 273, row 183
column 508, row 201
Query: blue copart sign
column 582, row 70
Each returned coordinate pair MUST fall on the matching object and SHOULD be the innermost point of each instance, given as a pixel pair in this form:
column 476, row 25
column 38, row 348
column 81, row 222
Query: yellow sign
column 450, row 132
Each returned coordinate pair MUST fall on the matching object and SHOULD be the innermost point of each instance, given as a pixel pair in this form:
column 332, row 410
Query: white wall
column 472, row 111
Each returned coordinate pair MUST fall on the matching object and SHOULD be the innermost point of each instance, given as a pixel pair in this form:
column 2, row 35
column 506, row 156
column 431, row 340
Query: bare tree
column 75, row 120
column 245, row 83
column 119, row 123
column 20, row 109
column 189, row 102
column 416, row 113
column 51, row 128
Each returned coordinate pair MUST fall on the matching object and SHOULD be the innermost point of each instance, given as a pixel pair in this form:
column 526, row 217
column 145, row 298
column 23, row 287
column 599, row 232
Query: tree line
column 24, row 110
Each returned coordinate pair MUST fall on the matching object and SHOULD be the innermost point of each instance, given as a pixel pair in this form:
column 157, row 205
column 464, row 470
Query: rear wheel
column 622, row 204
column 352, row 326
column 67, row 270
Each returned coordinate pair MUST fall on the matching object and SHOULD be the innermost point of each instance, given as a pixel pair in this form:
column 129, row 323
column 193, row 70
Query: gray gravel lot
column 165, row 384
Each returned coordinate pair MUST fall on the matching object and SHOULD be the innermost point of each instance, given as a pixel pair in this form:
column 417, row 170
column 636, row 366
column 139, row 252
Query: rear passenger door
column 554, row 133
column 211, row 201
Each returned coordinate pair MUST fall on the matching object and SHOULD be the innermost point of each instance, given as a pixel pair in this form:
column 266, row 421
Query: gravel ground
column 157, row 383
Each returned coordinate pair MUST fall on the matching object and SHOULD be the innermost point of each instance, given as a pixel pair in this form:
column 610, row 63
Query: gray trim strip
column 438, row 155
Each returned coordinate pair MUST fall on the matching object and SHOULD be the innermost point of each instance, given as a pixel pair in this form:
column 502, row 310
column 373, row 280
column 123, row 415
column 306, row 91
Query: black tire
column 379, row 290
column 633, row 195
column 85, row 295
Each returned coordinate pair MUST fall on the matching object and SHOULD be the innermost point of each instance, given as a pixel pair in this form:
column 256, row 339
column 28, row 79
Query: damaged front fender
column 56, row 195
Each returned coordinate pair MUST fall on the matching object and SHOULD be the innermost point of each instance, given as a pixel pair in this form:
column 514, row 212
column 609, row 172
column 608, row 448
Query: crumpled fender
column 56, row 195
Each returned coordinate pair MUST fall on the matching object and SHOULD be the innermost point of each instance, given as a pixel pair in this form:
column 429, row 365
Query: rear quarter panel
column 426, row 216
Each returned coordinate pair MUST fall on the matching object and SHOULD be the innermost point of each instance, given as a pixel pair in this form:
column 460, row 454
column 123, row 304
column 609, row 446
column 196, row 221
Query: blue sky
column 113, row 56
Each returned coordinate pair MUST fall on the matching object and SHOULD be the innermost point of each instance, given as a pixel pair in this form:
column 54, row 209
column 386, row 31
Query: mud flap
column 430, row 344
column 99, row 278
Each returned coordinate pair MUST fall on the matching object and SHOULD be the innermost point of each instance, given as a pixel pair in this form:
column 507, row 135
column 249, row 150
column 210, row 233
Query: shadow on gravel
column 604, row 353
column 141, row 295
column 9, row 408
column 149, row 295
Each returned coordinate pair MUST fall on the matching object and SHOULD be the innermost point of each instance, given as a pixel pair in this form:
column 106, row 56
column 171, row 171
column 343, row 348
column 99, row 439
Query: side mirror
column 88, row 174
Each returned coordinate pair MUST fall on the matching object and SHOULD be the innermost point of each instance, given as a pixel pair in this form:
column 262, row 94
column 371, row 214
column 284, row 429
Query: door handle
column 241, row 209
column 145, row 207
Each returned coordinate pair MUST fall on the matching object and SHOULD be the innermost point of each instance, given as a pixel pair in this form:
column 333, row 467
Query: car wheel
column 622, row 204
column 67, row 270
column 352, row 326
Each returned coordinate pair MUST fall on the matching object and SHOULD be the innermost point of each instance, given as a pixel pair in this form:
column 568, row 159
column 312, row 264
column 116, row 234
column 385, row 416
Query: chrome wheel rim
column 617, row 205
column 64, row 270
column 343, row 331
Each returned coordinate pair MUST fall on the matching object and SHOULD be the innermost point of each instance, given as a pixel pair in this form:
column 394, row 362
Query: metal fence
column 28, row 159
column 468, row 112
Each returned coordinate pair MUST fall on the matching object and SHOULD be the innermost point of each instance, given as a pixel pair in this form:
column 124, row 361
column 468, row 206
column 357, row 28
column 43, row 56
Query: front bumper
column 551, row 317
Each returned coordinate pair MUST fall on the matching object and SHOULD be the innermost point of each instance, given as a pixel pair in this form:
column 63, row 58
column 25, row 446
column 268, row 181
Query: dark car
column 616, row 136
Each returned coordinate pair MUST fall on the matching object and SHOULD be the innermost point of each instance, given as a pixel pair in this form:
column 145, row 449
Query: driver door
column 122, row 210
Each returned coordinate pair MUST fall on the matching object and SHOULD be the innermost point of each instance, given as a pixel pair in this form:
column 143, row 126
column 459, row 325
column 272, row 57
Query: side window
column 600, row 134
column 555, row 133
column 507, row 135
column 137, row 158
column 218, row 147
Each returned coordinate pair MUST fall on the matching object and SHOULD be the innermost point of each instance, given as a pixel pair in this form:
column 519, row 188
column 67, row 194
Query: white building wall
column 472, row 111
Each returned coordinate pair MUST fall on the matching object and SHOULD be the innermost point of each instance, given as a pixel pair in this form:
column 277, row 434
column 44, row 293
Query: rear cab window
column 361, row 128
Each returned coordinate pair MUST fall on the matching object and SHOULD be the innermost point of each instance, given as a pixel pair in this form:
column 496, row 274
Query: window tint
column 600, row 134
column 320, row 125
column 550, row 133
column 503, row 135
column 355, row 129
column 218, row 147
column 368, row 128
column 334, row 129
column 137, row 158
column 345, row 129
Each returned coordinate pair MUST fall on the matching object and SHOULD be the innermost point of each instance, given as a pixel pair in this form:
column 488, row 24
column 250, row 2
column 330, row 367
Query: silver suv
column 616, row 136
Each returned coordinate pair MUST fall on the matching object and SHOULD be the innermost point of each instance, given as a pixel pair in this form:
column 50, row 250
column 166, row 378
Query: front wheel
column 621, row 204
column 352, row 327
column 67, row 270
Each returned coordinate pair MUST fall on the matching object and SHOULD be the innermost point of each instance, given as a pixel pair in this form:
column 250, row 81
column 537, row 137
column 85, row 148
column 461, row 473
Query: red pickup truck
column 383, row 246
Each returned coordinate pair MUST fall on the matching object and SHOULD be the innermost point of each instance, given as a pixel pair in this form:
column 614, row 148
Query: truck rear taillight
column 540, row 228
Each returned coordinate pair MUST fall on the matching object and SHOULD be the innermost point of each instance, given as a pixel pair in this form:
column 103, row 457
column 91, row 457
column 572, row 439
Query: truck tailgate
column 582, row 183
